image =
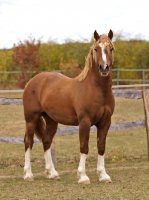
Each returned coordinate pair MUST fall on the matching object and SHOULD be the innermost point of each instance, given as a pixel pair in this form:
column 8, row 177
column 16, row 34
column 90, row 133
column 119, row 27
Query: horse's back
column 41, row 81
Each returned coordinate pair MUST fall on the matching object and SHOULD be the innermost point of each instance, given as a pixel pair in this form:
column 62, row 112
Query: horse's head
column 102, row 51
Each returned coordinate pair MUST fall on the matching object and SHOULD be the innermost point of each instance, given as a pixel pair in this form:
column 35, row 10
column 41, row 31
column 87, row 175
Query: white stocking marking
column 50, row 170
column 83, row 178
column 27, row 167
column 103, row 176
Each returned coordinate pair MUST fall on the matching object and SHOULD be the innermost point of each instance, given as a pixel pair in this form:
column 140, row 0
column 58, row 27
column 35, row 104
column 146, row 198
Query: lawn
column 125, row 161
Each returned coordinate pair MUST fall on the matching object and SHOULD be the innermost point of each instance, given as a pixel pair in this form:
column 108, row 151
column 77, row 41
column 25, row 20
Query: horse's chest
column 106, row 109
column 100, row 109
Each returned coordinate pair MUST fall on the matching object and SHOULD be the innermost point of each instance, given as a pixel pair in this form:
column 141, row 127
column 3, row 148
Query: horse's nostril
column 104, row 69
column 107, row 67
column 101, row 67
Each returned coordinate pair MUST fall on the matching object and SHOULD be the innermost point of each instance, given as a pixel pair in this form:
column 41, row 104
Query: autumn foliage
column 31, row 56
column 27, row 60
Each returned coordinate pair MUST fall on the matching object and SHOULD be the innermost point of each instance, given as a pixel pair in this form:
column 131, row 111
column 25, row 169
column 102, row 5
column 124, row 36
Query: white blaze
column 104, row 58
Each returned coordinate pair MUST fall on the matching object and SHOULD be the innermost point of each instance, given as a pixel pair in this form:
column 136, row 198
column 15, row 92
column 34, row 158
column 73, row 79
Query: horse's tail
column 40, row 128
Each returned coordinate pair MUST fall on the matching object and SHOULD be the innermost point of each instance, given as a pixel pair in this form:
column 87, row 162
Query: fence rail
column 9, row 78
column 133, row 94
column 142, row 76
column 113, row 87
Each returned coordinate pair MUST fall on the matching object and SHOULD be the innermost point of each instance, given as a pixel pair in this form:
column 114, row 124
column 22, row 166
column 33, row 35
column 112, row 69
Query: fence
column 132, row 94
column 140, row 76
column 9, row 79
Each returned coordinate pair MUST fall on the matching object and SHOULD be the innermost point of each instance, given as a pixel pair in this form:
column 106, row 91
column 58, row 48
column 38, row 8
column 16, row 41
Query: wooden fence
column 141, row 76
column 131, row 94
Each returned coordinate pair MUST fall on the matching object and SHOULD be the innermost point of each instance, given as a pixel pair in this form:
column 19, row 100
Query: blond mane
column 84, row 72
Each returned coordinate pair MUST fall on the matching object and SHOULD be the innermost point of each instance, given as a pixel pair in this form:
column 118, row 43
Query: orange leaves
column 26, row 59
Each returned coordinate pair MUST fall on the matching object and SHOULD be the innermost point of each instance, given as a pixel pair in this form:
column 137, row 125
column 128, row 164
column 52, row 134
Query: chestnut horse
column 50, row 98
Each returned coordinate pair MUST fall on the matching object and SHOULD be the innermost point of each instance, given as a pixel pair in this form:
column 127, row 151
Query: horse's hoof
column 29, row 178
column 84, row 180
column 54, row 177
column 105, row 180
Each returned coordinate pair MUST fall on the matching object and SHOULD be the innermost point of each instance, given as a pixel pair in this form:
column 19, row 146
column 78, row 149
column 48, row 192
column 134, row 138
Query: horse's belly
column 63, row 115
column 66, row 120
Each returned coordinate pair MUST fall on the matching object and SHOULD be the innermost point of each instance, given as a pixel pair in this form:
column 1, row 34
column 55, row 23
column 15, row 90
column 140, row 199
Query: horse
column 50, row 98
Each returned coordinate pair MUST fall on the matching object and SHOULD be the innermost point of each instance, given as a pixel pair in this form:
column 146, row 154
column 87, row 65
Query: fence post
column 145, row 95
column 143, row 78
column 118, row 76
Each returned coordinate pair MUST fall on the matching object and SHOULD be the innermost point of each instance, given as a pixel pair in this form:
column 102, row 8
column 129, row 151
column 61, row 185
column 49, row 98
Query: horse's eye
column 95, row 49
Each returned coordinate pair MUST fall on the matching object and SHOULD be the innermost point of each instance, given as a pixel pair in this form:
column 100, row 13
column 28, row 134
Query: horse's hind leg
column 31, row 121
column 51, row 127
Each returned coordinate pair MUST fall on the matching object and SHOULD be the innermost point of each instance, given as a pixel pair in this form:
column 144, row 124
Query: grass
column 11, row 95
column 126, row 161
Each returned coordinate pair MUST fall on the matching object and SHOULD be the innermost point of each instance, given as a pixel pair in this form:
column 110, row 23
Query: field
column 125, row 161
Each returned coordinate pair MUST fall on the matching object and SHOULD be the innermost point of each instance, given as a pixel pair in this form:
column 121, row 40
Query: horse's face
column 103, row 52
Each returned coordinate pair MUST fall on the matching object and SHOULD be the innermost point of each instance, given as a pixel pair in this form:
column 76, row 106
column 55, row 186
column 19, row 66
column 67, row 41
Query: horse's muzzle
column 104, row 71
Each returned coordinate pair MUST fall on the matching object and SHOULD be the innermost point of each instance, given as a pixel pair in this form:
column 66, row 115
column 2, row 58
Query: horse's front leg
column 84, row 129
column 101, row 141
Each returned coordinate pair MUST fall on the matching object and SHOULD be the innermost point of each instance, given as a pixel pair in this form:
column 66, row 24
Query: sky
column 61, row 20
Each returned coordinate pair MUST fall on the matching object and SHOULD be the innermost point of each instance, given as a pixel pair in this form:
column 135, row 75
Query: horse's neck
column 104, row 83
column 90, row 75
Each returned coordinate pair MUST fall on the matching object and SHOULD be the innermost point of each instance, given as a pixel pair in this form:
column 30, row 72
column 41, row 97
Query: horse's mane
column 88, row 64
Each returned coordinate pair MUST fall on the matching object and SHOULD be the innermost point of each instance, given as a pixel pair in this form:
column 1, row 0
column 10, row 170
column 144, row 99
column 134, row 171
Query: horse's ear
column 110, row 34
column 96, row 36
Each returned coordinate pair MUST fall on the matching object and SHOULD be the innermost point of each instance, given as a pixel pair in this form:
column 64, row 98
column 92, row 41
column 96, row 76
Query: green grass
column 11, row 95
column 125, row 161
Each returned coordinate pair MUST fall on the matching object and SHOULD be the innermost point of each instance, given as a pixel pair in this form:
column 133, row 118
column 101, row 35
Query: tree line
column 33, row 56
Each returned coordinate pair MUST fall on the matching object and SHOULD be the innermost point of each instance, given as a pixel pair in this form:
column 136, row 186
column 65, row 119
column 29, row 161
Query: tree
column 70, row 69
column 6, row 64
column 26, row 59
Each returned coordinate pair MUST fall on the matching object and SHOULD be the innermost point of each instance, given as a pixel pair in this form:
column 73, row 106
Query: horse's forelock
column 106, row 42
